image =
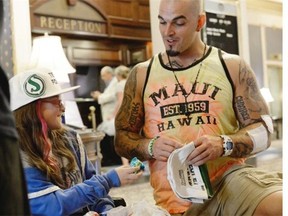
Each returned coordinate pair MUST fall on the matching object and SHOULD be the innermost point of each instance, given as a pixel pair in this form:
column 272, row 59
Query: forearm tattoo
column 242, row 150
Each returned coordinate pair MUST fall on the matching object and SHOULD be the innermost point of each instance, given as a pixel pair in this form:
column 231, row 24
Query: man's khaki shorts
column 239, row 192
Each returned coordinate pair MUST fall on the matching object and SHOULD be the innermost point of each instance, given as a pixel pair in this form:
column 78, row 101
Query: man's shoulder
column 142, row 68
column 229, row 56
column 145, row 64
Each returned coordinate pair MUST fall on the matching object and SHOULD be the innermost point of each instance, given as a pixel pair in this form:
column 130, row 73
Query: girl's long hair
column 34, row 141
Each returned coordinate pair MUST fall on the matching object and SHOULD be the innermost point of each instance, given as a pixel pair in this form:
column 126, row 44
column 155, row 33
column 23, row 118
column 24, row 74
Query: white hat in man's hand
column 187, row 181
column 29, row 86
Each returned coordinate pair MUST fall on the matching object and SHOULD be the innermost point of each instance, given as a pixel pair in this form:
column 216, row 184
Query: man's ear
column 201, row 22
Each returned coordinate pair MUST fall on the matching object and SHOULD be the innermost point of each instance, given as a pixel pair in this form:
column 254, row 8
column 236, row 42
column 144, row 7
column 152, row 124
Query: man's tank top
column 207, row 109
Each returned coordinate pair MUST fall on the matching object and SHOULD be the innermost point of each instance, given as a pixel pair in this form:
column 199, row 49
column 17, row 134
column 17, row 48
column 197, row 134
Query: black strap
column 147, row 76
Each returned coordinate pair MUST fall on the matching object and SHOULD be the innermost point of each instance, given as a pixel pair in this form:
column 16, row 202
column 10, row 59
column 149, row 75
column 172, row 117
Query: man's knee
column 270, row 205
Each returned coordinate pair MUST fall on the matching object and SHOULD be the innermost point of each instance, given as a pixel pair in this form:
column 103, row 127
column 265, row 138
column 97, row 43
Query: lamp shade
column 47, row 52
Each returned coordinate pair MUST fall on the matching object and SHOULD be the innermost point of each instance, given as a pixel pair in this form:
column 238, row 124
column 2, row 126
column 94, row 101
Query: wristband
column 150, row 146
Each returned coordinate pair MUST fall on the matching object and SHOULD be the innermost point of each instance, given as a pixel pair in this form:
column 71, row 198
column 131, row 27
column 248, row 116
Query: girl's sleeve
column 47, row 199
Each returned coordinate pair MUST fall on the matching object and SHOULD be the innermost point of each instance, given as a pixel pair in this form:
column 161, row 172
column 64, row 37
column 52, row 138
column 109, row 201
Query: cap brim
column 62, row 91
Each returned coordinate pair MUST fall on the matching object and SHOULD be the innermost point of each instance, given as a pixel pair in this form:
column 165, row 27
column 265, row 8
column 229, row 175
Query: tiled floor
column 270, row 160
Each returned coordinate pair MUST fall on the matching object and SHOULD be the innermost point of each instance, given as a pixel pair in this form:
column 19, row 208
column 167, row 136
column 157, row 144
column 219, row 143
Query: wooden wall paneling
column 86, row 52
column 144, row 12
column 136, row 55
column 129, row 19
column 92, row 18
column 121, row 9
column 96, row 56
column 118, row 29
column 132, row 10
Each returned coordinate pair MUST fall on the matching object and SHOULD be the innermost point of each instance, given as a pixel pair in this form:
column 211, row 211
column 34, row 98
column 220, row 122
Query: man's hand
column 206, row 148
column 163, row 147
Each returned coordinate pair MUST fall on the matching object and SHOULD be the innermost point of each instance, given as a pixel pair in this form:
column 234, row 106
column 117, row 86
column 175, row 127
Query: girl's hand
column 128, row 175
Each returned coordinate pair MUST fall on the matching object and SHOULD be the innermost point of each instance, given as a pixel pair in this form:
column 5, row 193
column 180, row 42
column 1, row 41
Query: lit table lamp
column 47, row 52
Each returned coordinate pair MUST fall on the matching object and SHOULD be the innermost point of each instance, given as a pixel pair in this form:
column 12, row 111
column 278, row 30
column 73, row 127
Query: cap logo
column 34, row 86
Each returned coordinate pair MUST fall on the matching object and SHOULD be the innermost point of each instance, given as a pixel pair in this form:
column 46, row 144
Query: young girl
column 60, row 179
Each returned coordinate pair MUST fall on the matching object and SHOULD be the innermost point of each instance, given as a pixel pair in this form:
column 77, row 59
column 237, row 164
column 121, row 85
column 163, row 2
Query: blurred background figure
column 107, row 101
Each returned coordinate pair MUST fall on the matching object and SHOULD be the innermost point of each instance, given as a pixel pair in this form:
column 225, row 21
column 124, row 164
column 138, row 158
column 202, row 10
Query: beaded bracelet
column 150, row 146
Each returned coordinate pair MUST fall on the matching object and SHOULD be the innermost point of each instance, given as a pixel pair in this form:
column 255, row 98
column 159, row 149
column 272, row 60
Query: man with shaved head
column 193, row 92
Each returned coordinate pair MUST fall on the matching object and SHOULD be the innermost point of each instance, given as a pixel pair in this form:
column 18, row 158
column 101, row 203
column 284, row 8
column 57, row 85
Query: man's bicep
column 129, row 116
column 131, row 113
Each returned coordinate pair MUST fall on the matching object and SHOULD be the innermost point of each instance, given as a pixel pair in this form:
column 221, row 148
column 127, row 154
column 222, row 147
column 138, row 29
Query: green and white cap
column 29, row 86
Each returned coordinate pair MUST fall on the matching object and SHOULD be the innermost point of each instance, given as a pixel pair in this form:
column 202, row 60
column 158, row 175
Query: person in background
column 193, row 92
column 121, row 73
column 13, row 195
column 107, row 101
column 60, row 178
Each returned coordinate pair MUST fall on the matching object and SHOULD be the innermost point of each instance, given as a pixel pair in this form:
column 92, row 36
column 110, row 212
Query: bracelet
column 150, row 146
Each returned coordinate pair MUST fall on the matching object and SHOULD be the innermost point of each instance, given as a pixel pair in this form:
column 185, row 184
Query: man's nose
column 169, row 30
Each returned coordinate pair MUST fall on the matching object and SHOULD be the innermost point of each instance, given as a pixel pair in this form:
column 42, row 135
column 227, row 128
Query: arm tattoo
column 242, row 150
column 129, row 121
column 244, row 114
column 246, row 78
column 135, row 111
column 134, row 114
column 249, row 104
